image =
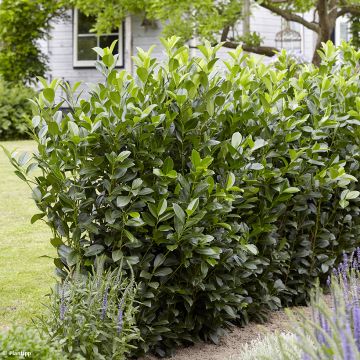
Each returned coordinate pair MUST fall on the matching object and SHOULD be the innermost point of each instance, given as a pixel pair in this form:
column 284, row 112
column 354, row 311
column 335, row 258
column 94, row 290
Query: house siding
column 59, row 47
column 268, row 25
column 146, row 36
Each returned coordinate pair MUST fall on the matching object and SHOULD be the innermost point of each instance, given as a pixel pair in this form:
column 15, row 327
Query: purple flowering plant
column 333, row 331
column 92, row 314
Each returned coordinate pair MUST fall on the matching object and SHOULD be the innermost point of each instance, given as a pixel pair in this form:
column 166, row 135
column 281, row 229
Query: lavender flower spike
column 355, row 264
column 120, row 316
column 120, row 322
column 343, row 267
column 346, row 346
column 325, row 326
column 62, row 303
column 345, row 261
column 105, row 303
column 356, row 323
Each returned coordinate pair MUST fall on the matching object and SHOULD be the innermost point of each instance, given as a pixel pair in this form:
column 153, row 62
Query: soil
column 231, row 344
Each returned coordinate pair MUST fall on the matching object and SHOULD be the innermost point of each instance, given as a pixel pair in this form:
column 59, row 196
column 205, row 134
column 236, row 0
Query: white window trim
column 128, row 45
column 339, row 21
column 91, row 63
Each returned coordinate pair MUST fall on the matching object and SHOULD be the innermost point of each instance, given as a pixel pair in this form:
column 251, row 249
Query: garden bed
column 231, row 344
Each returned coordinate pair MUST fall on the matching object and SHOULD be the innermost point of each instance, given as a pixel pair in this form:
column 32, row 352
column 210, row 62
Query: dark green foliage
column 91, row 316
column 15, row 110
column 228, row 192
column 22, row 24
column 355, row 31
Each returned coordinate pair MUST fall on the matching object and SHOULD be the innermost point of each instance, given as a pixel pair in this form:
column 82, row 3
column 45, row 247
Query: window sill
column 87, row 67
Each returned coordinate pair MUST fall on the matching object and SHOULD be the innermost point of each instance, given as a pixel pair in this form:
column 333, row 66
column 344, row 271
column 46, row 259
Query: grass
column 25, row 276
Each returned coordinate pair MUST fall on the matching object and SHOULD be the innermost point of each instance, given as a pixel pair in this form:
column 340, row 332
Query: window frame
column 341, row 21
column 86, row 64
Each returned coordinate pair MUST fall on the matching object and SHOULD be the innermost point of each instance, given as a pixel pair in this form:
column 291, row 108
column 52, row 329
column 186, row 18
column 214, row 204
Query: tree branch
column 225, row 33
column 349, row 9
column 261, row 50
column 289, row 16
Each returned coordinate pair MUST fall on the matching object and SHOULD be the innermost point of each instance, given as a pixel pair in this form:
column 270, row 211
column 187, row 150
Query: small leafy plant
column 251, row 39
column 30, row 342
column 91, row 316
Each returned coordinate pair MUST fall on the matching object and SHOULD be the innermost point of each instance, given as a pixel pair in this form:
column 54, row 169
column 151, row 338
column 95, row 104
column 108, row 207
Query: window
column 85, row 41
column 342, row 30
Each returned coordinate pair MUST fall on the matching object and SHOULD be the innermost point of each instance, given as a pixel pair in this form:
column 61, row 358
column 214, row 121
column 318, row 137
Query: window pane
column 85, row 23
column 85, row 45
column 106, row 41
column 344, row 31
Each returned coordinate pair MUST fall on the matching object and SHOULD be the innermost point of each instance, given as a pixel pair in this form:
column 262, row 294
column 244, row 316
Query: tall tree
column 325, row 14
column 218, row 20
column 22, row 24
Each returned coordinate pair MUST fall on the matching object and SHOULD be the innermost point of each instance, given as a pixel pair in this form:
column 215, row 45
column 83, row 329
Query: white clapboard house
column 70, row 44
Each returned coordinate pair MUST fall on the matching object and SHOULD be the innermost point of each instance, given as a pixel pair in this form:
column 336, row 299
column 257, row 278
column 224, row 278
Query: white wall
column 60, row 46
column 268, row 25
column 144, row 37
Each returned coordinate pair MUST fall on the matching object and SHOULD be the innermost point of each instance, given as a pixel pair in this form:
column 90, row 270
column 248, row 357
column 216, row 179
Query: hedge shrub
column 15, row 110
column 228, row 191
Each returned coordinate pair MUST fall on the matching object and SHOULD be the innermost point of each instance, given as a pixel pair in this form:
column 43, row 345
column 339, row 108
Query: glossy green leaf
column 163, row 272
column 122, row 201
column 179, row 213
column 49, row 94
column 93, row 250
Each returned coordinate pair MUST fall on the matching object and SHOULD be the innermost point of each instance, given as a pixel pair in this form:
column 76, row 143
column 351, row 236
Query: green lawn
column 25, row 276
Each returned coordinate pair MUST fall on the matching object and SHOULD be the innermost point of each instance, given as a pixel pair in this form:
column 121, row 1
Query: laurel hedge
column 227, row 189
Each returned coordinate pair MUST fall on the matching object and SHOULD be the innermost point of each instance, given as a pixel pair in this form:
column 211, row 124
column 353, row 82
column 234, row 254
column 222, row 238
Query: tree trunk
column 327, row 23
column 323, row 37
column 316, row 60
column 246, row 15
